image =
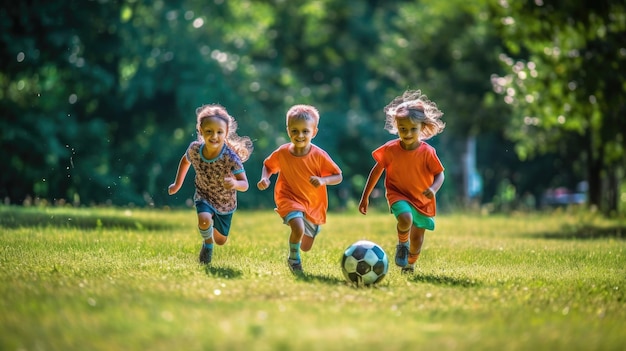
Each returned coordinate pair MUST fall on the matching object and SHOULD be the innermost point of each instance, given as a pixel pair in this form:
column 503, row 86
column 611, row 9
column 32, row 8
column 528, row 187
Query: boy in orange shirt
column 303, row 170
column 414, row 173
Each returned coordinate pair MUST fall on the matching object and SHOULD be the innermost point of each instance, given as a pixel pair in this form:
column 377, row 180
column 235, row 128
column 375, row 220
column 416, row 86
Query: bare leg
column 297, row 232
column 219, row 238
column 405, row 221
column 205, row 225
column 417, row 240
column 205, row 221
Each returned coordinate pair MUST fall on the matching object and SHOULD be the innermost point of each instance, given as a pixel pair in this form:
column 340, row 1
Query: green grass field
column 115, row 279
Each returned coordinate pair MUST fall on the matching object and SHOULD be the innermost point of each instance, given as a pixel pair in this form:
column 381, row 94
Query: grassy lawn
column 115, row 279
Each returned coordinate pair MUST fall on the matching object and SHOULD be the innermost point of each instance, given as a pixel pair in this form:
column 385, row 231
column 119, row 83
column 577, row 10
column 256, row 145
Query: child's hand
column 229, row 183
column 363, row 206
column 429, row 193
column 317, row 181
column 173, row 189
column 263, row 184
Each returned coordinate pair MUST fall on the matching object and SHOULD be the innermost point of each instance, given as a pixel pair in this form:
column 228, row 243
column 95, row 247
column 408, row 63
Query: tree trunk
column 594, row 174
column 612, row 190
column 471, row 182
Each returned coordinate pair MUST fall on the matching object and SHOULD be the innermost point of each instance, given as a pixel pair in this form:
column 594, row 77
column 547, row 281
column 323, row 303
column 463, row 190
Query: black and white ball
column 364, row 263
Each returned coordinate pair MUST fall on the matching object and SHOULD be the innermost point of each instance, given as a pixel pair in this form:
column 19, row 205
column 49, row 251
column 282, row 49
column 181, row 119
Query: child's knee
column 205, row 221
column 405, row 220
column 219, row 239
column 297, row 227
column 307, row 243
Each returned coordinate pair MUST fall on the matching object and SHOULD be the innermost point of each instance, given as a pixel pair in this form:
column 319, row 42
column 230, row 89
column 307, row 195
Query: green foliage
column 561, row 86
column 97, row 98
column 103, row 279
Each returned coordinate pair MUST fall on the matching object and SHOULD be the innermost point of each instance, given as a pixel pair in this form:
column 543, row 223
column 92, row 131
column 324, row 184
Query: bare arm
column 183, row 167
column 264, row 183
column 239, row 182
column 372, row 179
column 434, row 188
column 328, row 180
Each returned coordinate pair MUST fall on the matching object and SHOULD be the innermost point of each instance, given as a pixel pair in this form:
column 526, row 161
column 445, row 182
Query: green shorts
column 419, row 220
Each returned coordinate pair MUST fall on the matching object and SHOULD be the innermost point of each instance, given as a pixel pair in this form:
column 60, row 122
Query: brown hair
column 241, row 145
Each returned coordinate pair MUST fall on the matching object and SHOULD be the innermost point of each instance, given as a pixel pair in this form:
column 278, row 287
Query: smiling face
column 301, row 132
column 213, row 131
column 408, row 132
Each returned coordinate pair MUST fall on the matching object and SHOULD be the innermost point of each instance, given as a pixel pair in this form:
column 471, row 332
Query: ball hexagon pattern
column 364, row 263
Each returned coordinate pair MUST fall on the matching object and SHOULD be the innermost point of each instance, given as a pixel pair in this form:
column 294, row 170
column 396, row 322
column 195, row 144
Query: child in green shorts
column 413, row 175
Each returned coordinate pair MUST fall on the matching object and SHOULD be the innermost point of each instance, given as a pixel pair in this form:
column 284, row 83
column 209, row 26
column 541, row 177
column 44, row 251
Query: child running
column 414, row 173
column 217, row 158
column 304, row 170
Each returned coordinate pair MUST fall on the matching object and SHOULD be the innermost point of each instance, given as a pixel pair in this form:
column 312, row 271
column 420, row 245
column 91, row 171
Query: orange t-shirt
column 408, row 173
column 293, row 191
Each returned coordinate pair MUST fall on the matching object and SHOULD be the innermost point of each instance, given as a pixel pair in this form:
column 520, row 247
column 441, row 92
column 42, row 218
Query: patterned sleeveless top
column 210, row 176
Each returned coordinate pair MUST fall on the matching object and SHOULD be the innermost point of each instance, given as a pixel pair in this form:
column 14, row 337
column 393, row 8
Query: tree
column 447, row 50
column 566, row 84
column 98, row 97
column 49, row 88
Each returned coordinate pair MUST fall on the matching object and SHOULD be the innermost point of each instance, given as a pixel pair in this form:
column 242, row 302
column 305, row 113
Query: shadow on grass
column 314, row 278
column 443, row 280
column 28, row 218
column 222, row 272
column 587, row 232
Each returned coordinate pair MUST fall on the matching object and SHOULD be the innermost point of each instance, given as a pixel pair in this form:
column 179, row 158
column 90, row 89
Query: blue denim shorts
column 221, row 222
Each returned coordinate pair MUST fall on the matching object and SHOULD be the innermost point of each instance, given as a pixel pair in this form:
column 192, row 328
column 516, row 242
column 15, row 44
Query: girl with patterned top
column 304, row 170
column 414, row 173
column 217, row 158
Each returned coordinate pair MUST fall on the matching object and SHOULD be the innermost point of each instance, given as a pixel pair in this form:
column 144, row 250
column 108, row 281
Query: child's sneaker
column 206, row 253
column 295, row 265
column 402, row 255
column 408, row 269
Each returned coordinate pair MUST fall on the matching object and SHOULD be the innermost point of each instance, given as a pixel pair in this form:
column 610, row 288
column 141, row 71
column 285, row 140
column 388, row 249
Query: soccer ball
column 364, row 263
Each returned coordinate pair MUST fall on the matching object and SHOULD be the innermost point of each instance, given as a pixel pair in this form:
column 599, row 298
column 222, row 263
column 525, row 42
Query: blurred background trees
column 97, row 98
column 567, row 88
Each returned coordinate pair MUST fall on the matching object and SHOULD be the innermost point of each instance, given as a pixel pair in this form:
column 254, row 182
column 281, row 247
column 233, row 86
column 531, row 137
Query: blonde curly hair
column 241, row 145
column 416, row 106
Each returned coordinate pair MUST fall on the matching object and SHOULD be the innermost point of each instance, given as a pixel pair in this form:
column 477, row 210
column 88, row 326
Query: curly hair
column 416, row 106
column 241, row 145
